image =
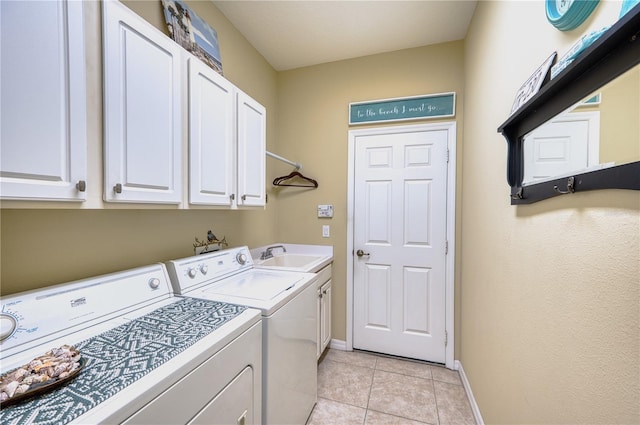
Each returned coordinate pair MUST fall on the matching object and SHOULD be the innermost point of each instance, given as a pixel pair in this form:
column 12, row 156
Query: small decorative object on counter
column 210, row 245
column 41, row 374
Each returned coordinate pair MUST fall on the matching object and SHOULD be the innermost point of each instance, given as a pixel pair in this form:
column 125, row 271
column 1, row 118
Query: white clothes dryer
column 146, row 355
column 288, row 303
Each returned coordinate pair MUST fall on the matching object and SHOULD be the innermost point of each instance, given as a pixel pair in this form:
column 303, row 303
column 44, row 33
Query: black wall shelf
column 614, row 53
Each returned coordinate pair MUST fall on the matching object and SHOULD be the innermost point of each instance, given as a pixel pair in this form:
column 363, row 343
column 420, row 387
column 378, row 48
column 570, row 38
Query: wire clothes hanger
column 306, row 181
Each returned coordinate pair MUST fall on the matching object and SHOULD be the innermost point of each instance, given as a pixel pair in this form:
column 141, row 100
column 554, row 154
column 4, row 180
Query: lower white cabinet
column 43, row 136
column 324, row 309
column 142, row 110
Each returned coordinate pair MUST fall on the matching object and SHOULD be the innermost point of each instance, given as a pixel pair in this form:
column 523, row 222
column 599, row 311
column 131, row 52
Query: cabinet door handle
column 244, row 198
column 232, row 196
column 117, row 188
column 324, row 292
column 242, row 420
column 81, row 186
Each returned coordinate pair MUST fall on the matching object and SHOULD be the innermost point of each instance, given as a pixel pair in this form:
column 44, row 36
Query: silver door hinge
column 447, row 155
column 446, row 338
column 446, row 247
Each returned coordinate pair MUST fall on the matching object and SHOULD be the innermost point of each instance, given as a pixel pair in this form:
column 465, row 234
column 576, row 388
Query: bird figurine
column 211, row 240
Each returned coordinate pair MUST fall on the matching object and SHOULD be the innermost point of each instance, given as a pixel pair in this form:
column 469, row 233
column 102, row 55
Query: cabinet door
column 211, row 136
column 326, row 315
column 43, row 101
column 142, row 104
column 319, row 323
column 252, row 137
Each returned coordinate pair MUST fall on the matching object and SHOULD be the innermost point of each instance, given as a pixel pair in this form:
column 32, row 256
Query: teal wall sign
column 401, row 109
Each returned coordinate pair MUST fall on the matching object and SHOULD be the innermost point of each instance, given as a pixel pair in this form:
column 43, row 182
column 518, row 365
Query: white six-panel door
column 400, row 222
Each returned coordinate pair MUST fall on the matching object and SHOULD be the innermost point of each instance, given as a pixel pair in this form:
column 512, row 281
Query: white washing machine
column 147, row 356
column 288, row 304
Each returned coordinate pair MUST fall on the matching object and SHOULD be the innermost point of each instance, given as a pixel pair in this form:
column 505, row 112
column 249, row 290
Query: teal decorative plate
column 566, row 15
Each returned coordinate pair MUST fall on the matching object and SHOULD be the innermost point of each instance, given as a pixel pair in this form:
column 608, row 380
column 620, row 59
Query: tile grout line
column 435, row 397
column 373, row 375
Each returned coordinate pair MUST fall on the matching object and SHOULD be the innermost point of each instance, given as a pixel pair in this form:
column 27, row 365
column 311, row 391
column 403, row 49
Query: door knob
column 361, row 253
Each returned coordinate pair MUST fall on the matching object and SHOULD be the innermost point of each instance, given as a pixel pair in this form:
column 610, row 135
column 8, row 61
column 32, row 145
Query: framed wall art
column 191, row 32
column 428, row 106
column 533, row 83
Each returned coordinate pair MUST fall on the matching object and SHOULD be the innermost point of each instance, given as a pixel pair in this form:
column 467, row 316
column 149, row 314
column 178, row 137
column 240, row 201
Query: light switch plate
column 325, row 211
column 326, row 231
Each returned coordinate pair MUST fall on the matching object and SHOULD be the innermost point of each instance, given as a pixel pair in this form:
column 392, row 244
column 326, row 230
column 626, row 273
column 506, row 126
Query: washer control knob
column 7, row 326
column 241, row 258
column 204, row 269
column 192, row 273
column 154, row 283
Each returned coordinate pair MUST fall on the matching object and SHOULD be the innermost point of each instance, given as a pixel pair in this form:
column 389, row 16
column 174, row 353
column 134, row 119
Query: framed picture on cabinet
column 191, row 32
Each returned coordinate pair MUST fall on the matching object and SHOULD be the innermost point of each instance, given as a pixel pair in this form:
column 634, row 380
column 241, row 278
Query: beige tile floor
column 366, row 389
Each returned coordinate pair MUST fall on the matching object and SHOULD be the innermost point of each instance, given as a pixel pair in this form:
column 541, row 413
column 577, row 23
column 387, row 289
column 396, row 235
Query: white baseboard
column 338, row 344
column 467, row 387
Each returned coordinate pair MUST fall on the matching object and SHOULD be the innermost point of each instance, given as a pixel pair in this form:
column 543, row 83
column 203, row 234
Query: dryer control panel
column 33, row 317
column 190, row 272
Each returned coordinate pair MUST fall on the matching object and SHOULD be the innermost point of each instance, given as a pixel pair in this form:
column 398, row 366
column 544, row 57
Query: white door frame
column 450, row 126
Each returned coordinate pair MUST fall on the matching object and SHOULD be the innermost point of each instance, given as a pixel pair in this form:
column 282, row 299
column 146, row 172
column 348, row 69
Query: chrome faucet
column 268, row 253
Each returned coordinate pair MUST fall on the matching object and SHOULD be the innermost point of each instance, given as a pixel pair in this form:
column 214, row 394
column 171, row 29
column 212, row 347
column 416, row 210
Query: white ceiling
column 292, row 34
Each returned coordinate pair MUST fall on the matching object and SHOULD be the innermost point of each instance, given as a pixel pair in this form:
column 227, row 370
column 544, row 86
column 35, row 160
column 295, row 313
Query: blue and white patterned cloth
column 121, row 356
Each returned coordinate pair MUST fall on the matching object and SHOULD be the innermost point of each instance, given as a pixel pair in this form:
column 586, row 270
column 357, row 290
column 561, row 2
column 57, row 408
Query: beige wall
column 550, row 291
column 619, row 125
column 313, row 128
column 67, row 241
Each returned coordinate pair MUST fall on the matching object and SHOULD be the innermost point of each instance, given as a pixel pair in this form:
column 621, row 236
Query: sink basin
column 290, row 260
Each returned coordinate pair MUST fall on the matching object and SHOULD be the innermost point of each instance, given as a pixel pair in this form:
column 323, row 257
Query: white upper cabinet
column 227, row 142
column 252, row 135
column 43, row 136
column 211, row 136
column 150, row 86
column 142, row 110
